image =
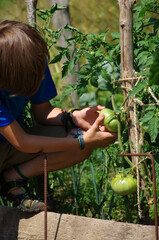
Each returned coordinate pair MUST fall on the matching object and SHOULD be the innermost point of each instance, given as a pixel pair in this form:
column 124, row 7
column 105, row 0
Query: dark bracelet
column 64, row 120
column 70, row 111
column 67, row 119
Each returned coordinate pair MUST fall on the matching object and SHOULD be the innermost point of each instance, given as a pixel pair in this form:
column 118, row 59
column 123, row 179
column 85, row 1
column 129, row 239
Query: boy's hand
column 97, row 138
column 86, row 117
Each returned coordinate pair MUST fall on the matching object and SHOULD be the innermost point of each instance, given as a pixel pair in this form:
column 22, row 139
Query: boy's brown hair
column 23, row 57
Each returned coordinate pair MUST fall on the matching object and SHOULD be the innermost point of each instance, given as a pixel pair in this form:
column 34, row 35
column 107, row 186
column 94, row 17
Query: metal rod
column 154, row 182
column 45, row 196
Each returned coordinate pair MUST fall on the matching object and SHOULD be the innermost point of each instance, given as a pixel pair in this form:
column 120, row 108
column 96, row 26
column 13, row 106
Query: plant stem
column 144, row 170
column 113, row 103
column 119, row 134
column 121, row 145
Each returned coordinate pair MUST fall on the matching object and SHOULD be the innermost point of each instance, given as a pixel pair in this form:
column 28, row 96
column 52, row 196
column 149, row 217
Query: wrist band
column 79, row 136
column 70, row 111
column 81, row 141
column 67, row 119
column 64, row 120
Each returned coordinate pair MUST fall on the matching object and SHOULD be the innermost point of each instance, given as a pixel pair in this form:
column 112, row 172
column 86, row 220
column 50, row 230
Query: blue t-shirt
column 12, row 107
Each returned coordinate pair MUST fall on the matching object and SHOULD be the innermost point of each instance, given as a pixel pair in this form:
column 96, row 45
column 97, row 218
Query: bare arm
column 93, row 138
column 31, row 143
column 47, row 114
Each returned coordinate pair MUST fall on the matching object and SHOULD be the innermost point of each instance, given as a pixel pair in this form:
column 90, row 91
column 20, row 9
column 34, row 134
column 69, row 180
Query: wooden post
column 31, row 11
column 127, row 69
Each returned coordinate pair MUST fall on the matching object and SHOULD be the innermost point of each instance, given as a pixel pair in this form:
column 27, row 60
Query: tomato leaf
column 82, row 74
column 56, row 59
column 147, row 117
column 140, row 86
column 91, row 59
column 71, row 66
column 153, row 126
column 154, row 73
column 65, row 69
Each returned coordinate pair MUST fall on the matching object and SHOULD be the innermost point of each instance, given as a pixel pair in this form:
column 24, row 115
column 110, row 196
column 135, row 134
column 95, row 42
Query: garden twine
column 133, row 101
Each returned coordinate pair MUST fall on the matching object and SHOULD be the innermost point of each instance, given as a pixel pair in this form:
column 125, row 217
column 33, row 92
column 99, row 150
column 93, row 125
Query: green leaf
column 59, row 48
column 73, row 29
column 149, row 108
column 149, row 61
column 44, row 14
column 105, row 75
column 137, row 89
column 144, row 73
column 56, row 7
column 147, row 117
column 82, row 74
column 65, row 69
column 68, row 90
column 154, row 70
column 153, row 126
column 57, row 58
column 94, row 181
column 104, row 81
column 142, row 57
column 94, row 80
column 91, row 59
column 140, row 86
column 88, row 99
column 115, row 35
column 99, row 53
column 71, row 66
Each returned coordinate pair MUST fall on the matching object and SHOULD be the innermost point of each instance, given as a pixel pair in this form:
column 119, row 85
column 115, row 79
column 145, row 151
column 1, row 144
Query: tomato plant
column 99, row 62
column 110, row 120
column 124, row 184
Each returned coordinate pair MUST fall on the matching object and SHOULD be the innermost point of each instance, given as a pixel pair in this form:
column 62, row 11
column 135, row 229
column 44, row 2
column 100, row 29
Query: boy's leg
column 55, row 161
column 34, row 167
column 33, row 164
column 10, row 156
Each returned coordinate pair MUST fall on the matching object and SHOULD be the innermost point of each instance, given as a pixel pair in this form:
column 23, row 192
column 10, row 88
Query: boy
column 25, row 76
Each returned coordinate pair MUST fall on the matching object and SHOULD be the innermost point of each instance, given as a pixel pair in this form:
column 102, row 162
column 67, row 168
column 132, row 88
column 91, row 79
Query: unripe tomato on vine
column 124, row 184
column 110, row 120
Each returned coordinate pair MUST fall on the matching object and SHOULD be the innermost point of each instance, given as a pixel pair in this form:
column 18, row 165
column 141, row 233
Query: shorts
column 10, row 156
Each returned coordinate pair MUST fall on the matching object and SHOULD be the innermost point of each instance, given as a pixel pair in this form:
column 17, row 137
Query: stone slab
column 16, row 225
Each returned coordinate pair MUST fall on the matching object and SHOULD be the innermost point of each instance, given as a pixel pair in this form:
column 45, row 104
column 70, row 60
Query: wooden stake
column 127, row 69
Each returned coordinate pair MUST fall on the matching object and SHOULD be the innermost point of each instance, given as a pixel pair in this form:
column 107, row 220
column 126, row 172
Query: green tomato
column 110, row 121
column 92, row 52
column 124, row 185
